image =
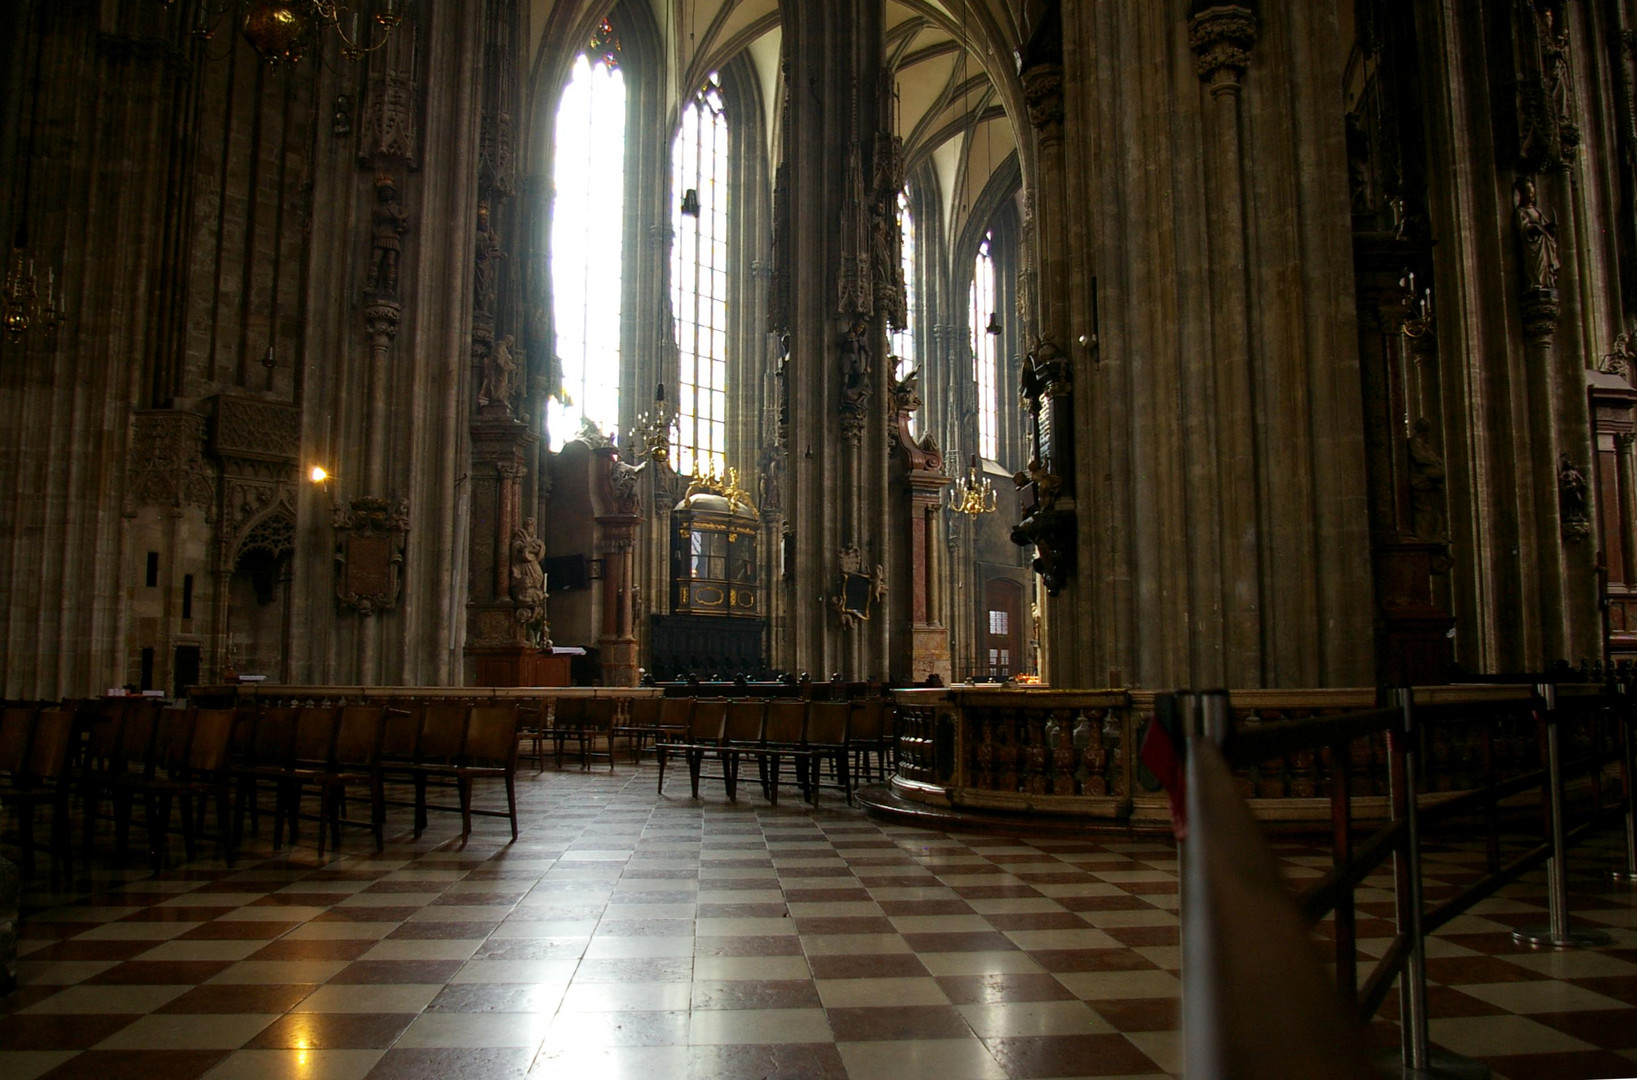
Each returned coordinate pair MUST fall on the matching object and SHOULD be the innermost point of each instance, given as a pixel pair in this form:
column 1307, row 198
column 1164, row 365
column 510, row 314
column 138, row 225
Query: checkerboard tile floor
column 632, row 936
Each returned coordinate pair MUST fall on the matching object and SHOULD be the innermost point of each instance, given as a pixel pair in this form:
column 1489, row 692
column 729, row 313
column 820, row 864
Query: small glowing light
column 319, row 475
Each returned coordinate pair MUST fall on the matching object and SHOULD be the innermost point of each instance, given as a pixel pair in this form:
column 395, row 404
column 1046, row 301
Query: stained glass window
column 984, row 347
column 903, row 341
column 699, row 281
column 589, row 178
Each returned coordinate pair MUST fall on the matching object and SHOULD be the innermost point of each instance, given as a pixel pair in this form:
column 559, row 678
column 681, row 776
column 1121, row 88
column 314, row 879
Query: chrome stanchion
column 1412, row 996
column 1628, row 734
column 1556, row 934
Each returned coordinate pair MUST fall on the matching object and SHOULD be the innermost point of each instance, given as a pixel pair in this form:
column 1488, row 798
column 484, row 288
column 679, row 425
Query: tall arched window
column 699, row 281
column 589, row 178
column 902, row 343
column 982, row 298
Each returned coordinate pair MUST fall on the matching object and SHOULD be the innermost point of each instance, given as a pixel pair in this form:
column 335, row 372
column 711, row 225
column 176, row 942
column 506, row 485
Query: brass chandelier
column 973, row 494
column 283, row 30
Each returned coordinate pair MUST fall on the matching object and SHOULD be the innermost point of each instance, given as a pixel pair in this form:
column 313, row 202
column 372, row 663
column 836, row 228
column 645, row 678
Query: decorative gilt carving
column 1573, row 505
column 623, row 478
column 1222, row 36
column 371, row 534
column 592, row 435
column 168, row 467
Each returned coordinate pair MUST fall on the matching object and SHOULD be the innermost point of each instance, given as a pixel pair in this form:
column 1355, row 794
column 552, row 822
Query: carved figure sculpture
column 388, row 223
column 486, row 263
column 1574, row 512
column 1426, row 484
column 1537, row 240
column 499, row 374
column 528, row 580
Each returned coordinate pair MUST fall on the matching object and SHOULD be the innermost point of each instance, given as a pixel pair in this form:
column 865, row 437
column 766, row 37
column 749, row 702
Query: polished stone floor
column 629, row 935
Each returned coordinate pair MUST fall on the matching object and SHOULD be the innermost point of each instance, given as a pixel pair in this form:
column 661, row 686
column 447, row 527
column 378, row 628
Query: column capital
column 1222, row 36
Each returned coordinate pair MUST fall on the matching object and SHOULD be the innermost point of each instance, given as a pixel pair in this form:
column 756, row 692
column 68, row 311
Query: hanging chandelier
column 972, row 494
column 283, row 30
column 24, row 307
column 653, row 429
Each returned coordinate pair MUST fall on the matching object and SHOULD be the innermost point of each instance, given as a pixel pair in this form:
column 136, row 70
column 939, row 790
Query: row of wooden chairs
column 843, row 737
column 119, row 756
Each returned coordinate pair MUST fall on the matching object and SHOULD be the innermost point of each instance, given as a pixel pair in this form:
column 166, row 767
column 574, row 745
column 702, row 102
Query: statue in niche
column 1574, row 511
column 388, row 223
column 1426, row 484
column 499, row 384
column 855, row 381
column 1554, row 49
column 1537, row 240
column 486, row 263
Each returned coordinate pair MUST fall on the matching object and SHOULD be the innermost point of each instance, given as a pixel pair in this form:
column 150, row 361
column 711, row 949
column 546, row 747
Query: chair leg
column 659, row 752
column 378, row 812
column 511, row 802
column 463, row 784
column 25, row 834
column 696, row 760
column 420, row 804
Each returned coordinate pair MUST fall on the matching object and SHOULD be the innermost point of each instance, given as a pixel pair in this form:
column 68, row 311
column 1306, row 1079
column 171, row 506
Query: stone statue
column 388, row 223
column 1537, row 240
column 499, row 384
column 486, row 262
column 1574, row 511
column 1426, row 484
column 528, row 580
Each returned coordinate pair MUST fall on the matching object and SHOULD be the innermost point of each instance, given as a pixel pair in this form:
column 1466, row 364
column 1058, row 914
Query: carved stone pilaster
column 1222, row 36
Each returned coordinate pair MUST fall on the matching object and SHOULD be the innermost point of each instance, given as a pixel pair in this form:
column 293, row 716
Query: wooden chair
column 826, row 742
column 704, row 732
column 259, row 764
column 641, row 726
column 784, row 734
column 38, row 776
column 741, row 736
column 151, row 784
column 441, row 743
column 354, row 760
column 869, row 736
column 489, row 751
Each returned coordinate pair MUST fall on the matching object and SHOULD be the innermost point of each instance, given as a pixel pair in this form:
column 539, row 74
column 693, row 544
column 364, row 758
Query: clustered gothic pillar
column 839, row 177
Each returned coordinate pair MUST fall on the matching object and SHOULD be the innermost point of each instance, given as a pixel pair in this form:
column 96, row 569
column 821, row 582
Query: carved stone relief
column 371, row 534
column 168, row 466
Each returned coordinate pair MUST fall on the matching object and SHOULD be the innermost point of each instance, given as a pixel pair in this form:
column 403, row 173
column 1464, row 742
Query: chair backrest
column 400, row 732
column 16, row 725
column 213, row 731
column 274, row 736
column 786, row 721
column 103, row 724
column 170, row 741
column 599, row 713
column 645, row 712
column 744, row 720
column 358, row 736
column 315, row 733
column 706, row 721
column 827, row 722
column 443, row 733
column 138, row 724
column 569, row 712
column 675, row 712
column 491, row 736
column 48, row 749
column 869, row 720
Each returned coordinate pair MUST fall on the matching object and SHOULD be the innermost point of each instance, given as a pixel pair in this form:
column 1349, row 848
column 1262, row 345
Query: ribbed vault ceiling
column 958, row 95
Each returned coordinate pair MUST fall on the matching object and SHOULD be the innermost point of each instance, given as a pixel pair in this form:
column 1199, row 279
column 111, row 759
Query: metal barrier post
column 1415, row 1054
column 1628, row 873
column 1556, row 934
